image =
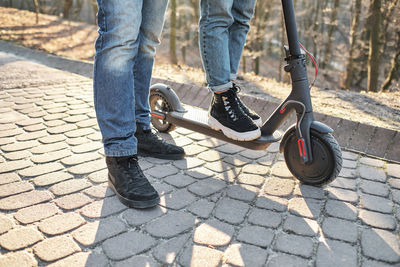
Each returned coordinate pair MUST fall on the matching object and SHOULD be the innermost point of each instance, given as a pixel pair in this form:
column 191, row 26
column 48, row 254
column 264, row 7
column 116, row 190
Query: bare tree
column 374, row 46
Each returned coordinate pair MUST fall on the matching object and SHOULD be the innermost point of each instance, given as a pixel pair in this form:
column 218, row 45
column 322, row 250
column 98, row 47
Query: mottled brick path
column 221, row 206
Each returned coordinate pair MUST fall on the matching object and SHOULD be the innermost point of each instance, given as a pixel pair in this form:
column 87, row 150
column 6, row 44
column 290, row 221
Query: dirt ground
column 75, row 40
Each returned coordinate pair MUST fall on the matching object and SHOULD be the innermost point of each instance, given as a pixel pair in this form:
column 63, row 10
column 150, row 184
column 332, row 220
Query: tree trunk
column 172, row 35
column 348, row 80
column 331, row 30
column 36, row 5
column 374, row 46
column 67, row 8
column 394, row 68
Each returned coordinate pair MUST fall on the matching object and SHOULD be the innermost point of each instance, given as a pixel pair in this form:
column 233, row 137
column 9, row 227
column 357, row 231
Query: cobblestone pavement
column 221, row 206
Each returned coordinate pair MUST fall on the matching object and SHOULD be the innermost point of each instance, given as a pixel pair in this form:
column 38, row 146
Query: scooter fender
column 169, row 94
column 315, row 125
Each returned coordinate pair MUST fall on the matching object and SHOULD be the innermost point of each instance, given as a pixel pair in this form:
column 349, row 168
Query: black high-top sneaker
column 226, row 115
column 254, row 116
column 150, row 145
column 126, row 179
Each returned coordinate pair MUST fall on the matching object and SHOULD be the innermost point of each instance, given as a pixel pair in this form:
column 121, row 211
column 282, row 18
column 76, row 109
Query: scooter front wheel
column 160, row 104
column 326, row 163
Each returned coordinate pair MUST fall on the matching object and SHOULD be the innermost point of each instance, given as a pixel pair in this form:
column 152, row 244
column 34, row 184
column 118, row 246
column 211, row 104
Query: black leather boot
column 150, row 145
column 129, row 183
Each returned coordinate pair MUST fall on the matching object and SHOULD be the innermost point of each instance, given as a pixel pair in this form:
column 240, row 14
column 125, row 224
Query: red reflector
column 302, row 149
column 157, row 116
column 282, row 110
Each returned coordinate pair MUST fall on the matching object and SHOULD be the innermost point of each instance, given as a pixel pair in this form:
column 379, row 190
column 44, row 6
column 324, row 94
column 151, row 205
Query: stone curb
column 353, row 136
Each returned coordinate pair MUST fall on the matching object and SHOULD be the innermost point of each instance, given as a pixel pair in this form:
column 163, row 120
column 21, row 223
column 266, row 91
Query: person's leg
column 116, row 50
column 225, row 113
column 149, row 144
column 242, row 12
column 116, row 53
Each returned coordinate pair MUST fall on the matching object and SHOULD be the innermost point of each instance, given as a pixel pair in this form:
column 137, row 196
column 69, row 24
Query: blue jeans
column 223, row 29
column 129, row 32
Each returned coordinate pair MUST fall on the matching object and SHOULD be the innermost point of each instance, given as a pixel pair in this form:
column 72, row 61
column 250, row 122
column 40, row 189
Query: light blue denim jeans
column 129, row 32
column 223, row 29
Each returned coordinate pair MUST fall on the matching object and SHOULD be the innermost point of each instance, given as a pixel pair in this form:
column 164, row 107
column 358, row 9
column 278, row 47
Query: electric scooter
column 311, row 153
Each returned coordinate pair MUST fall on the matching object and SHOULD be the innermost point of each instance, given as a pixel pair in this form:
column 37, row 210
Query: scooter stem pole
column 291, row 27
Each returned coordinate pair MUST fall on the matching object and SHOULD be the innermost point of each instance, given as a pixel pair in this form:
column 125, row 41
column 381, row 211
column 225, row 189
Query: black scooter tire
column 161, row 126
column 327, row 159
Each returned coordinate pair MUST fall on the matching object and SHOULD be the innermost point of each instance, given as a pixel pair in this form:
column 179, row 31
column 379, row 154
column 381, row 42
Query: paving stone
column 188, row 163
column 41, row 169
column 25, row 200
column 15, row 188
column 169, row 250
column 301, row 226
column 214, row 233
column 76, row 118
column 380, row 245
column 251, row 154
column 137, row 217
column 103, row 208
column 279, row 260
column 141, row 260
column 200, row 173
column 374, row 188
column 393, row 170
column 242, row 192
column 100, row 191
column 20, row 238
column 375, row 203
column 69, row 187
column 192, row 150
column 179, row 180
column 177, row 199
column 88, row 167
column 171, row 224
column 307, row 191
column 60, row 224
column 202, row 208
column 73, row 201
column 79, row 132
column 342, row 194
column 163, row 188
column 33, row 128
column 352, row 164
column 341, row 210
column 394, row 183
column 344, row 183
column 14, row 165
column 377, row 220
column 211, row 156
column 83, row 259
column 20, row 258
column 236, row 160
column 51, row 156
column 206, row 187
column 11, row 132
column 162, row 171
column 245, row 255
column 134, row 243
column 372, row 263
column 334, row 253
column 199, row 256
column 7, row 178
column 280, row 169
column 51, row 139
column 349, row 155
column 62, row 128
column 264, row 218
column 372, row 173
column 87, row 147
column 5, row 224
column 5, row 141
column 31, row 136
column 305, row 207
column 255, row 235
column 51, row 178
column 17, row 155
column 256, row 169
column 251, row 179
column 96, row 232
column 99, row 176
column 229, row 148
column 55, row 248
column 294, row 244
column 231, row 211
column 348, row 173
column 36, row 213
column 272, row 203
column 218, row 166
column 86, row 123
column 396, row 196
column 278, row 187
column 372, row 162
column 340, row 229
column 48, row 148
column 54, row 123
column 228, row 176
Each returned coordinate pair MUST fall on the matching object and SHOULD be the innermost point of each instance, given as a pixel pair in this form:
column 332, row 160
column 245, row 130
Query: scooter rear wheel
column 160, row 104
column 327, row 159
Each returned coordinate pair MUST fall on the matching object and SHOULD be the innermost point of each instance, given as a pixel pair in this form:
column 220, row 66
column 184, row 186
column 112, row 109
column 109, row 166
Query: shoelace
column 231, row 105
column 134, row 183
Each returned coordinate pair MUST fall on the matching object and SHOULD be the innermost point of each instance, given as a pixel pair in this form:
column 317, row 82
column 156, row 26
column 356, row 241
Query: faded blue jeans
column 223, row 29
column 129, row 32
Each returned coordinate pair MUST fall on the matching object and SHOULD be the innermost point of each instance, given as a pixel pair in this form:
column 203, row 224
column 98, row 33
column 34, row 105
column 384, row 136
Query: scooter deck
column 196, row 119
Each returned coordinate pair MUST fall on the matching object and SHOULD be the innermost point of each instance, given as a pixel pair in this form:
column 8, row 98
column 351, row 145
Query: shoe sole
column 246, row 136
column 161, row 156
column 134, row 203
column 258, row 122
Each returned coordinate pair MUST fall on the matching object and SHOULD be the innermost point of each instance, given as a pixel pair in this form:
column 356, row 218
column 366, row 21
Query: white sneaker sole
column 258, row 122
column 246, row 136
